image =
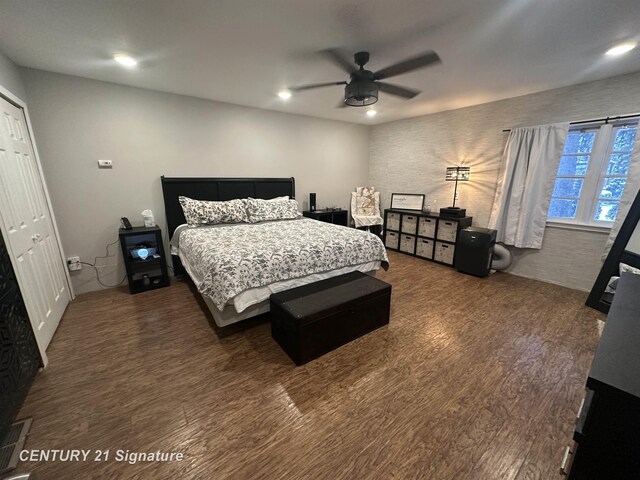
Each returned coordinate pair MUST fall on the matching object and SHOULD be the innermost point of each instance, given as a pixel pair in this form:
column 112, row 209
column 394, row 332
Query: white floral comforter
column 235, row 258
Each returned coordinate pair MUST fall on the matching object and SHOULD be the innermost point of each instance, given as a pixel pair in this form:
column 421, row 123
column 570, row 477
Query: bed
column 236, row 267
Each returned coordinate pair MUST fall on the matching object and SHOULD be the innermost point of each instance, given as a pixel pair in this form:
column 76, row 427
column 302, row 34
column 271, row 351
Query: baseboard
column 547, row 281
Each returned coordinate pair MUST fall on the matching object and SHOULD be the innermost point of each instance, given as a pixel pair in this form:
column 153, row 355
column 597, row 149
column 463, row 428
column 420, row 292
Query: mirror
column 625, row 249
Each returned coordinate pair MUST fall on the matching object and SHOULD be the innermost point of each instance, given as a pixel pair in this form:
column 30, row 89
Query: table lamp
column 456, row 174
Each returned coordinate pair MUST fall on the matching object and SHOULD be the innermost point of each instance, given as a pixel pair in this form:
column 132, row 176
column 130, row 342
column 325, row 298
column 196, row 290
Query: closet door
column 28, row 228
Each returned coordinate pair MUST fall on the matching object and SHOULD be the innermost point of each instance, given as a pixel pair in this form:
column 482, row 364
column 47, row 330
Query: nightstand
column 338, row 217
column 144, row 258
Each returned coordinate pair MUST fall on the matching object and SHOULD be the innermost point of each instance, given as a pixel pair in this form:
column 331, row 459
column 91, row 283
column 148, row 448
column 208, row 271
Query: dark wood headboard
column 216, row 189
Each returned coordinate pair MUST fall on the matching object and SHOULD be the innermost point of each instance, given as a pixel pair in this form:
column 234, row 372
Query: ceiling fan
column 363, row 86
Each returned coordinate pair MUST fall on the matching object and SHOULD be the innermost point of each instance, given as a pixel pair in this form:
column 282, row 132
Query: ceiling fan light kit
column 364, row 85
column 361, row 93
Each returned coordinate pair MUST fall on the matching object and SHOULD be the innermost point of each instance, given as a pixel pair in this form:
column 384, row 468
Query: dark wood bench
column 314, row 319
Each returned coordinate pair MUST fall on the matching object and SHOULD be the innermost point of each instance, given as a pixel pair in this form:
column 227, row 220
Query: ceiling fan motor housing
column 361, row 58
column 362, row 90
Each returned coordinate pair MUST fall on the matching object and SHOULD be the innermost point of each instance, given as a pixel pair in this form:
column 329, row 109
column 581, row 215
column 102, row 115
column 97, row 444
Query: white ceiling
column 244, row 51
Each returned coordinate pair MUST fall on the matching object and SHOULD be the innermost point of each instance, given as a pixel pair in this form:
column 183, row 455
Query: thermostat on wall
column 105, row 164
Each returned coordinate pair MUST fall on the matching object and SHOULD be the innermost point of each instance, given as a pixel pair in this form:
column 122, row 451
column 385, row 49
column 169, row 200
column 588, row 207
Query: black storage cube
column 314, row 319
column 474, row 250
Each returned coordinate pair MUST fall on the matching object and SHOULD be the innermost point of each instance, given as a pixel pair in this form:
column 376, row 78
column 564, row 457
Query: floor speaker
column 474, row 249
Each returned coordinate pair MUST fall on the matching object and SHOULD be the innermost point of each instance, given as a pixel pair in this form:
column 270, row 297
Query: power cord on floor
column 95, row 259
column 98, row 276
column 95, row 267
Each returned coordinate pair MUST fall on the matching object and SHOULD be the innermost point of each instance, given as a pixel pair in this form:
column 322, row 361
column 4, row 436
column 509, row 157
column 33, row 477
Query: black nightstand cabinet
column 144, row 273
column 425, row 235
column 337, row 217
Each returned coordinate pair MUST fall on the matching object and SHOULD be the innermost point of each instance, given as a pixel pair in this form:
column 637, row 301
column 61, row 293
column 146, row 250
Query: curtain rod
column 596, row 120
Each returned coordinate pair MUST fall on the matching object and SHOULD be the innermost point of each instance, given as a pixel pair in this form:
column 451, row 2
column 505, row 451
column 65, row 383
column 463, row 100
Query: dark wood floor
column 473, row 379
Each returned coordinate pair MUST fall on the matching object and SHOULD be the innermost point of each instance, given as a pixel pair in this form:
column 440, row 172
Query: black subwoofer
column 474, row 250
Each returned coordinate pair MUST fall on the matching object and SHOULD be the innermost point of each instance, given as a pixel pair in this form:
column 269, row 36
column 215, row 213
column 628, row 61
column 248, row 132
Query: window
column 592, row 174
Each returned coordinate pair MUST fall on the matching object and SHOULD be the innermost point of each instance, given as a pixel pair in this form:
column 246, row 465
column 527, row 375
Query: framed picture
column 407, row 201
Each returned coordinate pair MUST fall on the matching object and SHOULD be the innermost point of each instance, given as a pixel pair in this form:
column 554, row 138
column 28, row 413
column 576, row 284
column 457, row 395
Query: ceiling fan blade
column 315, row 85
column 338, row 57
column 407, row 65
column 396, row 90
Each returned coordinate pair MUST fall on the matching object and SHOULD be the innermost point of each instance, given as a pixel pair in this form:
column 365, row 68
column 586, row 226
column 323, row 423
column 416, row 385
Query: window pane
column 579, row 142
column 574, row 165
column 560, row 208
column 619, row 164
column 613, row 187
column 606, row 211
column 624, row 139
column 567, row 187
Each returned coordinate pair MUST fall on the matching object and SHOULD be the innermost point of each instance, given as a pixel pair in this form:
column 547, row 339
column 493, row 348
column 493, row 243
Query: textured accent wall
column 411, row 156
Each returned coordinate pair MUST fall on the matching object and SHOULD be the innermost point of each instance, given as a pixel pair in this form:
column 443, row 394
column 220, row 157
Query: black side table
column 144, row 258
column 338, row 217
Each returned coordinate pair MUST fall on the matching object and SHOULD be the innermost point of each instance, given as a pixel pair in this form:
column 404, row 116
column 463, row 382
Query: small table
column 337, row 217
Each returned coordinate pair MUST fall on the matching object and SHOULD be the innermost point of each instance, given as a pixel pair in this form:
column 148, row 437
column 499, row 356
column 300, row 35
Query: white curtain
column 628, row 196
column 529, row 166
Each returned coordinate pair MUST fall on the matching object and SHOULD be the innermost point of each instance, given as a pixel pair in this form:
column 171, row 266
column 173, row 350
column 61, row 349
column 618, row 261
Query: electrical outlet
column 74, row 264
column 105, row 164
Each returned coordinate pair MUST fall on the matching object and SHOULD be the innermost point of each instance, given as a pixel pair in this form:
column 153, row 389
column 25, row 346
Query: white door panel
column 28, row 227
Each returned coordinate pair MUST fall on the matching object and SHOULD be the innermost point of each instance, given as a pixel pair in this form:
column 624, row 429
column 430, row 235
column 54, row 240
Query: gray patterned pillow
column 263, row 210
column 204, row 212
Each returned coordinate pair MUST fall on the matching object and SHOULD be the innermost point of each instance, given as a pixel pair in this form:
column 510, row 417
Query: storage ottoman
column 314, row 319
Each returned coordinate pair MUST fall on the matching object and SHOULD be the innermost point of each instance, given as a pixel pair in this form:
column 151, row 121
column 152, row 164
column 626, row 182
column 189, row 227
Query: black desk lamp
column 456, row 174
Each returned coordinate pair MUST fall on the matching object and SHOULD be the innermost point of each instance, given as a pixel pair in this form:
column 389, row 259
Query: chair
column 365, row 208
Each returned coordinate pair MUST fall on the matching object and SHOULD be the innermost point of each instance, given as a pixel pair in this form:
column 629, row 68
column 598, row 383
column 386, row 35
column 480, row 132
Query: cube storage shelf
column 425, row 235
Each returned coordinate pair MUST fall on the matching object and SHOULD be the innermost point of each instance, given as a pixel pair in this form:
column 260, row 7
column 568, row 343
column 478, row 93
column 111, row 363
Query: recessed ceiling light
column 284, row 94
column 621, row 49
column 371, row 113
column 125, row 60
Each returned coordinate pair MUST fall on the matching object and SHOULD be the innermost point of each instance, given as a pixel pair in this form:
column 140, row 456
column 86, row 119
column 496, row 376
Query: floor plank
column 472, row 379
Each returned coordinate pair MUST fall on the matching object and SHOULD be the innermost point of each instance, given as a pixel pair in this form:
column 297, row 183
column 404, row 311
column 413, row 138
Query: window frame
column 596, row 174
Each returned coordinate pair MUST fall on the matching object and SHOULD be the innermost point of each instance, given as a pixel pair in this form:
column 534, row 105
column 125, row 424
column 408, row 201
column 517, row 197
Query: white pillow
column 624, row 268
column 259, row 210
column 206, row 212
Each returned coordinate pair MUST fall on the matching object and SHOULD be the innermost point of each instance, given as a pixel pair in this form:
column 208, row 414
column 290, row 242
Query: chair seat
column 366, row 220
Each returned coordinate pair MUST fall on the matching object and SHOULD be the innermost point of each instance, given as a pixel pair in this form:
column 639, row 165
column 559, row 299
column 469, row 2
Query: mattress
column 255, row 295
column 241, row 265
column 255, row 301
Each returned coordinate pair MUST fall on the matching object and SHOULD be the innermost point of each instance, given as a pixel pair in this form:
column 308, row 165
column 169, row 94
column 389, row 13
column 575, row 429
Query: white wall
column 147, row 134
column 411, row 156
column 10, row 78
